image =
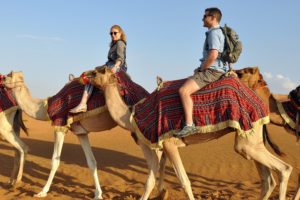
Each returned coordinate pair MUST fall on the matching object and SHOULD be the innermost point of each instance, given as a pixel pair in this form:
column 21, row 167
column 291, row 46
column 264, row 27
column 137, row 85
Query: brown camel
column 252, row 78
column 37, row 109
column 250, row 147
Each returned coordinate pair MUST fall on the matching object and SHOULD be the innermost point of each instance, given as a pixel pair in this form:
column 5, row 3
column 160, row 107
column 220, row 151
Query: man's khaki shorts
column 203, row 78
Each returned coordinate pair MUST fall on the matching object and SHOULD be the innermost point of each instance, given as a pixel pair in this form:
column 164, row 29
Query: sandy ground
column 214, row 169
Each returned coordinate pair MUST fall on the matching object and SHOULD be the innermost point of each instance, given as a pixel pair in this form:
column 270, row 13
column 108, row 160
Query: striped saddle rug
column 224, row 103
column 288, row 113
column 7, row 100
column 70, row 96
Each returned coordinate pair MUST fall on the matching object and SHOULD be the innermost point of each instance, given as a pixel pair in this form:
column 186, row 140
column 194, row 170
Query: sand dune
column 215, row 170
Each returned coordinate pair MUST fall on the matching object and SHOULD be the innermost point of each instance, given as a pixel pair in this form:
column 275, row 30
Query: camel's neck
column 269, row 100
column 35, row 108
column 265, row 94
column 118, row 110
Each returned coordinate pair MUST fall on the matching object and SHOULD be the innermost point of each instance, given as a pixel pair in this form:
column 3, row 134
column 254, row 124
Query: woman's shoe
column 78, row 109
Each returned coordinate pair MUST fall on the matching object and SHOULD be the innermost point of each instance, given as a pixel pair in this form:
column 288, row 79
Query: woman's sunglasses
column 113, row 33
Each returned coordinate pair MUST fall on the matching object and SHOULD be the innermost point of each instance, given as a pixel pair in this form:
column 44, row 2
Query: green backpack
column 232, row 47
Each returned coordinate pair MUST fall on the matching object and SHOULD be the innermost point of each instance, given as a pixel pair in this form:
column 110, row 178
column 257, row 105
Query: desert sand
column 214, row 169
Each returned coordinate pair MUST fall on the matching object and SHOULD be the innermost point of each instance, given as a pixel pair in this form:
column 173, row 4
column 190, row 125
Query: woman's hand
column 114, row 69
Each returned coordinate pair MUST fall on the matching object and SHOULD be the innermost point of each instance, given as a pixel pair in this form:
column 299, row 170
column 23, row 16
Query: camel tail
column 18, row 123
column 275, row 148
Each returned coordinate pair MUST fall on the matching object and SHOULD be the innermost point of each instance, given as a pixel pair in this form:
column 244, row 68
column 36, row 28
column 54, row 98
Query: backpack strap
column 219, row 54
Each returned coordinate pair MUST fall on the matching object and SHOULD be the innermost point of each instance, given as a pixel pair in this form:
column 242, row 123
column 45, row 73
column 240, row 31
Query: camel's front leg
column 162, row 173
column 152, row 158
column 172, row 152
column 297, row 195
column 10, row 136
column 58, row 143
column 92, row 163
column 268, row 181
column 252, row 147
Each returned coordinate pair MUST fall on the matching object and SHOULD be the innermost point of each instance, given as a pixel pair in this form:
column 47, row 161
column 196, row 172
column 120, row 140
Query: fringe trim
column 79, row 117
column 285, row 116
column 10, row 110
column 201, row 130
column 46, row 107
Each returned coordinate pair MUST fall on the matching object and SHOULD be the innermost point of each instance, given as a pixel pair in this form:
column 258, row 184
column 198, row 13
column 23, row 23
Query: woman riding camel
column 116, row 62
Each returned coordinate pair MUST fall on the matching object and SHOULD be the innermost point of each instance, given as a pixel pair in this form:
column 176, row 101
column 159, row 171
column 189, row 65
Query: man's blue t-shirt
column 215, row 39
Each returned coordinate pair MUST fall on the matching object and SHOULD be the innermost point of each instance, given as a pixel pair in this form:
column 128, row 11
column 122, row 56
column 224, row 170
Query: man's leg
column 185, row 92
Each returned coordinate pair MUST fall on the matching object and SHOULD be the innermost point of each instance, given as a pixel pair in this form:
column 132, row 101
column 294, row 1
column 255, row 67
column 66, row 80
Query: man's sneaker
column 187, row 130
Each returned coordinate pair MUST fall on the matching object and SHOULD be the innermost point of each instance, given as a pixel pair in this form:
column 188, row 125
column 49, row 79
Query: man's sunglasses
column 204, row 16
column 113, row 33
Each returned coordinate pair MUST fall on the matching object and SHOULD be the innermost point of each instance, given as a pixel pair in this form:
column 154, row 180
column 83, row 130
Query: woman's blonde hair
column 123, row 35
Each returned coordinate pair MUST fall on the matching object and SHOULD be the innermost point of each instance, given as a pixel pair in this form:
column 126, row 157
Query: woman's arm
column 120, row 51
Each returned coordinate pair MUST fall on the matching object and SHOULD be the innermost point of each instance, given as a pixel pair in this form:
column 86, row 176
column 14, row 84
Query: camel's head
column 251, row 77
column 14, row 79
column 102, row 77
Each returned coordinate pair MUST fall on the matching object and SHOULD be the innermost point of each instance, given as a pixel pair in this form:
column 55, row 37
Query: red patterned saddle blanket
column 288, row 112
column 224, row 103
column 1, row 79
column 7, row 100
column 70, row 96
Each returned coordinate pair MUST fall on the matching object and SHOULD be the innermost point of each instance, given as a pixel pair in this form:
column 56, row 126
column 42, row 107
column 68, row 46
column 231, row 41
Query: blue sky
column 49, row 39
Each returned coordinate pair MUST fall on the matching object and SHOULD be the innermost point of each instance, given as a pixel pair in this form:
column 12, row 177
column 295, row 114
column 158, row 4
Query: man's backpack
column 232, row 47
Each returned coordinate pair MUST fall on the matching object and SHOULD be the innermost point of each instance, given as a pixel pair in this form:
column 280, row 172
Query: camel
column 37, row 109
column 10, row 124
column 251, row 147
column 252, row 78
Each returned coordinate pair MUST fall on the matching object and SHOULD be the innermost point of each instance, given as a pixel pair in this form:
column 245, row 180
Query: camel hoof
column 40, row 195
column 98, row 198
column 164, row 195
column 11, row 183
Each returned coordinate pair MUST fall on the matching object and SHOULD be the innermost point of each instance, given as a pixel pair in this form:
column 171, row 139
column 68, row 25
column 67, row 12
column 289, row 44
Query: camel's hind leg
column 172, row 152
column 268, row 181
column 92, row 163
column 152, row 158
column 6, row 130
column 163, row 194
column 58, row 144
column 252, row 147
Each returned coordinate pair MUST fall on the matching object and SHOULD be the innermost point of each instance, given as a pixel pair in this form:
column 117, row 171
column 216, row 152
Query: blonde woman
column 116, row 62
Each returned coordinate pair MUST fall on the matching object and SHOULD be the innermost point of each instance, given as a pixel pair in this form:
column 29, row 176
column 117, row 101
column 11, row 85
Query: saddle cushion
column 7, row 101
column 219, row 105
column 288, row 113
column 70, row 96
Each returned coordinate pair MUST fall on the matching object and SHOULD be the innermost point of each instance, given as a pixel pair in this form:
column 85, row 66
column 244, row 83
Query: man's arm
column 209, row 61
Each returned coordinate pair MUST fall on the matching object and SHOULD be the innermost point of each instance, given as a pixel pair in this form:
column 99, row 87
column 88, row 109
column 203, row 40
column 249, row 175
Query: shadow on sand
column 107, row 160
